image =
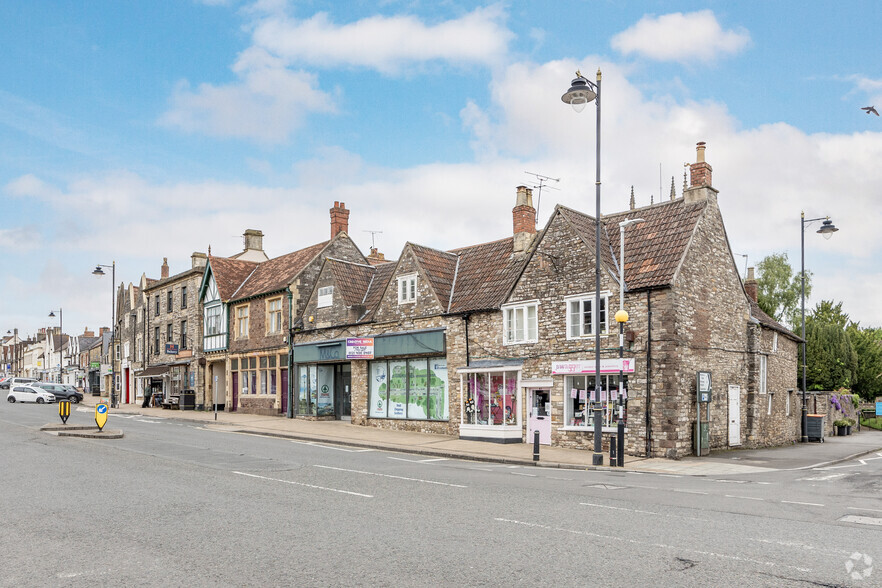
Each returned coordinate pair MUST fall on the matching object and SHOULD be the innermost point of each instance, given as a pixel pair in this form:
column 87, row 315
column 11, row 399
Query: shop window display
column 491, row 399
column 577, row 396
column 414, row 389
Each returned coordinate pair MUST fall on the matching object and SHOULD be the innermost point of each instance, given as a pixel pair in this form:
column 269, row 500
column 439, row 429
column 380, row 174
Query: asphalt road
column 176, row 503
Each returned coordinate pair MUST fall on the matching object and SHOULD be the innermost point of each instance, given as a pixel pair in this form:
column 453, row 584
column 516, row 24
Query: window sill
column 590, row 429
column 530, row 342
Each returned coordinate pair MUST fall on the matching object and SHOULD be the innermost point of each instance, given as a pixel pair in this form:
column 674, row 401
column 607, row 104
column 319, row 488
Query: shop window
column 414, row 389
column 491, row 398
column 520, row 323
column 248, row 375
column 578, row 411
column 315, row 390
column 581, row 318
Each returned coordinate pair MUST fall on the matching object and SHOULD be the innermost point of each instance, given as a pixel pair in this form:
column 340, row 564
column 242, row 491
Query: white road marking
column 804, row 547
column 564, row 479
column 823, row 478
column 522, row 474
column 146, row 421
column 335, row 448
column 690, row 491
column 304, row 485
column 645, row 543
column 867, row 509
column 412, row 460
column 670, row 475
column 744, row 497
column 802, row 503
column 731, row 481
column 605, row 506
column 861, row 520
column 389, row 476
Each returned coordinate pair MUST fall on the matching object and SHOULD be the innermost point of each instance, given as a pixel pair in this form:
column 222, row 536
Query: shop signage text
column 360, row 348
column 607, row 366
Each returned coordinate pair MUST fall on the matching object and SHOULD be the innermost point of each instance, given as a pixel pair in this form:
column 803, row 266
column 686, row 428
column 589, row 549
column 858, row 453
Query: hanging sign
column 607, row 366
column 171, row 348
column 360, row 348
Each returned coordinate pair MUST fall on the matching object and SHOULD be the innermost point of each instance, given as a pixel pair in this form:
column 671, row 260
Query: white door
column 734, row 415
column 540, row 417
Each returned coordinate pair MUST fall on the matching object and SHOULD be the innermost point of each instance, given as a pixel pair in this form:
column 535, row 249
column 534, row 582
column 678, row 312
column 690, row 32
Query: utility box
column 703, row 436
column 815, row 427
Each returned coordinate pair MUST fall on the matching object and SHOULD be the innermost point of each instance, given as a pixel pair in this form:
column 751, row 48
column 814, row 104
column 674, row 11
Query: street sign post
column 64, row 410
column 101, row 410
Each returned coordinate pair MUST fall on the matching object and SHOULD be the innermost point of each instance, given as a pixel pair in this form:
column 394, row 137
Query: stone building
column 250, row 302
column 173, row 333
column 501, row 335
column 131, row 336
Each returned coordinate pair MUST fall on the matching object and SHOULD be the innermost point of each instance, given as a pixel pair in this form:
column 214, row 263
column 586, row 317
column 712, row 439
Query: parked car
column 25, row 393
column 62, row 391
column 8, row 384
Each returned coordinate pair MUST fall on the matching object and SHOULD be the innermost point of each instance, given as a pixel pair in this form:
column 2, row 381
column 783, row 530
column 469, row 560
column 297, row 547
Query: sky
column 136, row 131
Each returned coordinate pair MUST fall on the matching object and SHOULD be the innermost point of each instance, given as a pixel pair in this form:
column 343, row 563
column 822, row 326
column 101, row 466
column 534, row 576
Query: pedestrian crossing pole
column 64, row 410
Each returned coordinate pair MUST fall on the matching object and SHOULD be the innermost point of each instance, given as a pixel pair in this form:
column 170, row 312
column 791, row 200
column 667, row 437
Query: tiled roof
column 485, row 275
column 229, row 274
column 275, row 274
column 382, row 275
column 352, row 279
column 653, row 249
column 440, row 269
column 767, row 321
column 152, row 284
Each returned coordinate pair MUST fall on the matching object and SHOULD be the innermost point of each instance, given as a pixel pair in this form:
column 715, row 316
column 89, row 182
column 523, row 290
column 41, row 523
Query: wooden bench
column 171, row 402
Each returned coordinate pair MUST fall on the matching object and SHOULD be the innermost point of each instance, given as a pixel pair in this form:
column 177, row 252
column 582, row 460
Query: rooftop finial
column 673, row 190
column 632, row 197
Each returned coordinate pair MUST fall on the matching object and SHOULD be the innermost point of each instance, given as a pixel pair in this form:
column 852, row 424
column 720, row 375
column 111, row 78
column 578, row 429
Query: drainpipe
column 290, row 390
column 649, row 373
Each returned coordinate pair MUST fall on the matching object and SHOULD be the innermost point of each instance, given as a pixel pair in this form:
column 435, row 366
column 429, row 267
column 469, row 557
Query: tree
column 779, row 289
column 868, row 347
column 830, row 356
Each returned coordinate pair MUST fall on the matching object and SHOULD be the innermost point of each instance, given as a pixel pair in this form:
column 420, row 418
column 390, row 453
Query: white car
column 23, row 393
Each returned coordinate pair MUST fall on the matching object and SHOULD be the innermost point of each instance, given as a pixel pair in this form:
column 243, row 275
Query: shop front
column 403, row 376
column 579, row 387
column 491, row 403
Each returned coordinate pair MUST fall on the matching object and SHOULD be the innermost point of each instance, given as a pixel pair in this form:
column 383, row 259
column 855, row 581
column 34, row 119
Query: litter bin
column 187, row 400
column 815, row 427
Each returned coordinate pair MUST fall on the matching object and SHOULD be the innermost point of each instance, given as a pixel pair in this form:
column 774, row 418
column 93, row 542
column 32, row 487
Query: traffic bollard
column 621, row 435
column 612, row 451
column 536, row 446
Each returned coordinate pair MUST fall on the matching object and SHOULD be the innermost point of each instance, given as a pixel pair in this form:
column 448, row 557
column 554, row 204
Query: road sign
column 101, row 410
column 64, row 410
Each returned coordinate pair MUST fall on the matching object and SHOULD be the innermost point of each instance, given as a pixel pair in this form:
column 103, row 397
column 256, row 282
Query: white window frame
column 242, row 321
column 325, row 297
column 787, row 406
column 769, row 410
column 582, row 300
column 407, row 289
column 274, row 316
column 774, row 342
column 763, row 373
column 510, row 313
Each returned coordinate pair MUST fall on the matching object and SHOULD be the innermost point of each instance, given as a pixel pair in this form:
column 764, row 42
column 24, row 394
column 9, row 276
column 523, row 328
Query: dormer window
column 407, row 289
column 325, row 296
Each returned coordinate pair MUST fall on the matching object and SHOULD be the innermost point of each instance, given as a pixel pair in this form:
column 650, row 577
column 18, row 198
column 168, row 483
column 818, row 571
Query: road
column 176, row 503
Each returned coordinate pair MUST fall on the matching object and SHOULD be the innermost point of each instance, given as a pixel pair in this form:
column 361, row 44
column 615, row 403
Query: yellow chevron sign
column 101, row 410
column 64, row 410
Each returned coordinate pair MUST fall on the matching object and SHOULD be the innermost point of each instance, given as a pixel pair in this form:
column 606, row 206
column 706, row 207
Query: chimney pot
column 750, row 285
column 523, row 219
column 163, row 272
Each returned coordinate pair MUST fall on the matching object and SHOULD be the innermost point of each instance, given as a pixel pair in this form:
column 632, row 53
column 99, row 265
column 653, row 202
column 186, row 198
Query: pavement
column 718, row 463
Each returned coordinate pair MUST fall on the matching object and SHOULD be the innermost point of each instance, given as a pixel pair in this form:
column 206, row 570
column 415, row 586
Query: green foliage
column 779, row 289
column 841, row 423
column 830, row 356
column 873, row 423
column 868, row 347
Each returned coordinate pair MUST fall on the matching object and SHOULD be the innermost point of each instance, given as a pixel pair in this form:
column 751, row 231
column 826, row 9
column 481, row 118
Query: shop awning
column 150, row 372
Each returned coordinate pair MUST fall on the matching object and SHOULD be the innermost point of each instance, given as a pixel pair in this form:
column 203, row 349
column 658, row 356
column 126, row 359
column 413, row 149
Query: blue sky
column 134, row 131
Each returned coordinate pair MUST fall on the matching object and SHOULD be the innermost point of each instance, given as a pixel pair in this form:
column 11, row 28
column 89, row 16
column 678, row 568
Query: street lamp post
column 622, row 318
column 61, row 339
column 827, row 229
column 100, row 272
column 582, row 92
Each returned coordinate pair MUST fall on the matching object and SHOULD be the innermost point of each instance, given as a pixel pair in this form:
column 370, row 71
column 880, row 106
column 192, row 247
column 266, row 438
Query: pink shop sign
column 607, row 366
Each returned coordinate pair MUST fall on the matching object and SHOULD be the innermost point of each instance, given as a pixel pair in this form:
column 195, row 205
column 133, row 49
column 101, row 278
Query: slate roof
column 275, row 274
column 229, row 274
column 767, row 321
column 653, row 249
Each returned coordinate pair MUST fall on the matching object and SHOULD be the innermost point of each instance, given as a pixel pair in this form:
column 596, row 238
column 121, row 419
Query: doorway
column 342, row 391
column 734, row 415
column 540, row 416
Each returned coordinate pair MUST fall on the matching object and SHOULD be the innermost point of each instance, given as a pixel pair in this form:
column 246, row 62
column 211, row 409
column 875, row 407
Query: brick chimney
column 87, row 332
column 700, row 177
column 750, row 285
column 339, row 219
column 163, row 272
column 103, row 330
column 523, row 219
column 198, row 259
column 376, row 258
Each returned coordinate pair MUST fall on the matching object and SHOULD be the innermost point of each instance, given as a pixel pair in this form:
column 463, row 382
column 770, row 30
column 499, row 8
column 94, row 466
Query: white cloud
column 387, row 44
column 21, row 239
column 267, row 104
column 686, row 38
